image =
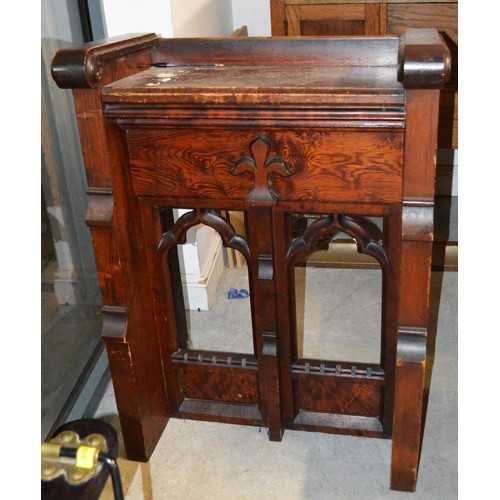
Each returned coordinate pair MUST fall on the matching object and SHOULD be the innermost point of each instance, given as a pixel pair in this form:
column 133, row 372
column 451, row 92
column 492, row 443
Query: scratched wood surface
column 221, row 84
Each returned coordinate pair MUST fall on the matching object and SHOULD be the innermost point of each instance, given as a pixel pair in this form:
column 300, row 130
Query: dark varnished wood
column 339, row 128
column 421, row 56
column 333, row 223
column 377, row 161
column 259, row 230
column 277, row 85
column 338, row 388
column 267, row 51
column 89, row 65
column 114, row 225
column 177, row 234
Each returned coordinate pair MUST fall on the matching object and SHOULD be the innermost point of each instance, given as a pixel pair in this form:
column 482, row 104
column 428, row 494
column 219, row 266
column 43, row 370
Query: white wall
column 186, row 18
column 198, row 18
column 131, row 16
column 256, row 14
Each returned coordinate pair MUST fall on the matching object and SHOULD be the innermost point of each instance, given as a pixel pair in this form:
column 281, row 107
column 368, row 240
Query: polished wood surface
column 340, row 128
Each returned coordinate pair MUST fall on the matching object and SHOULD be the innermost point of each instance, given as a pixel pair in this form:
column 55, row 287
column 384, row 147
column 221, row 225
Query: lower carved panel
column 333, row 389
column 339, row 395
column 222, row 377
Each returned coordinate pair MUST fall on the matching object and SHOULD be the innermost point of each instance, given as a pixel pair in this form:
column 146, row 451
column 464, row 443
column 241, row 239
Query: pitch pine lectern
column 342, row 128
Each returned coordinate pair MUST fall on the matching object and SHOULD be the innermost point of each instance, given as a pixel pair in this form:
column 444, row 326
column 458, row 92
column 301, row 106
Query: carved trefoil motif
column 261, row 166
column 177, row 234
column 341, row 223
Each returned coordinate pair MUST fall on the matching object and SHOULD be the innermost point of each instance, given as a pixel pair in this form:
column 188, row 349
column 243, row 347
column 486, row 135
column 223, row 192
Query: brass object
column 76, row 471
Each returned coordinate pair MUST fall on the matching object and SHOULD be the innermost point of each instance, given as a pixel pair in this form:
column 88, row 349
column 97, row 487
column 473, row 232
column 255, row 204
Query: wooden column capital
column 84, row 66
column 424, row 60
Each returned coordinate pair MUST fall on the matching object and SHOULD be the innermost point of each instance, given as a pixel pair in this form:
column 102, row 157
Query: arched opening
column 215, row 283
column 338, row 304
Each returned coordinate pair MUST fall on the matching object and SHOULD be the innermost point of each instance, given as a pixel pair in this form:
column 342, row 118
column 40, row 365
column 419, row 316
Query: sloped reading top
column 257, row 84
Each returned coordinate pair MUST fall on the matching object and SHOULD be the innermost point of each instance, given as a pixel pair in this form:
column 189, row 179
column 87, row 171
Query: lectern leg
column 415, row 273
column 407, row 425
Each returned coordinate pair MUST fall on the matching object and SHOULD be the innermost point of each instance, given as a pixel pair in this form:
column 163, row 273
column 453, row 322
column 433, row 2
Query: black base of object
column 58, row 488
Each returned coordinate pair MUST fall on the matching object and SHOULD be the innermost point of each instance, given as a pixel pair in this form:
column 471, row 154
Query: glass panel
column 71, row 301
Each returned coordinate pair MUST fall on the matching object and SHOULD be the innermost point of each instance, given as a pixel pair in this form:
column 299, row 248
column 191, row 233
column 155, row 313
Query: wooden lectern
column 342, row 128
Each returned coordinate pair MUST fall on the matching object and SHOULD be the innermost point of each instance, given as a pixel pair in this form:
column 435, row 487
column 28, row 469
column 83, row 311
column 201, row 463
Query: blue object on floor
column 234, row 294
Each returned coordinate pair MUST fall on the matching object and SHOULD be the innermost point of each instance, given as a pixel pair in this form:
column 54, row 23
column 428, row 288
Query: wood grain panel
column 336, row 20
column 233, row 385
column 184, row 163
column 326, row 164
column 342, row 166
column 339, row 395
column 317, row 20
column 441, row 16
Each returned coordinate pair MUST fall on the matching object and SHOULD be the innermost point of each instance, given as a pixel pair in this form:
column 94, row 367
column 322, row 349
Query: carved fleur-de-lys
column 261, row 166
